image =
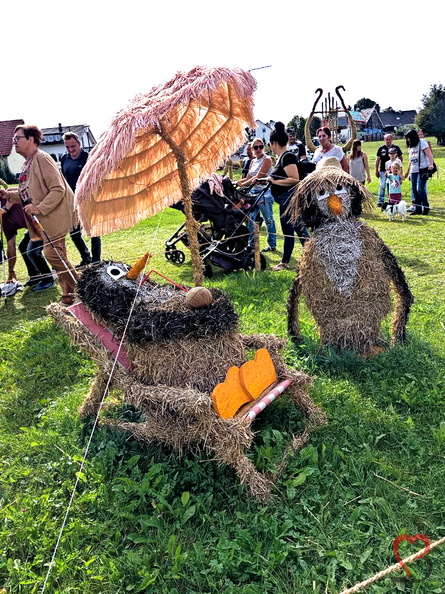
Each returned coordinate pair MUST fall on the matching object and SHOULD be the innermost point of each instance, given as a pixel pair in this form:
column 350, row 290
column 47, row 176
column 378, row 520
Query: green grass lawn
column 144, row 520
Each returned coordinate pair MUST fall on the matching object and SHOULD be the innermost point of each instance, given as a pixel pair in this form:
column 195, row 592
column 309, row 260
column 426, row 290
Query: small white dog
column 393, row 209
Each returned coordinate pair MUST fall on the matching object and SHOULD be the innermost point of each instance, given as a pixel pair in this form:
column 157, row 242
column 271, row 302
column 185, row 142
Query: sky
column 80, row 62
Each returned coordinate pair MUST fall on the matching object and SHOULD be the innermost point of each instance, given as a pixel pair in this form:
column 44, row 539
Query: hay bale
column 178, row 355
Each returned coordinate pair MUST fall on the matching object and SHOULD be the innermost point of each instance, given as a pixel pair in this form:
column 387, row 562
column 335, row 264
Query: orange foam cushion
column 229, row 395
column 259, row 374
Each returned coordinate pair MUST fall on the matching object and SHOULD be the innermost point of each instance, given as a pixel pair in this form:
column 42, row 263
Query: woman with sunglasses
column 283, row 180
column 260, row 167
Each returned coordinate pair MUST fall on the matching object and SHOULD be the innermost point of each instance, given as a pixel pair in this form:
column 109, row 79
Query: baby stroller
column 222, row 234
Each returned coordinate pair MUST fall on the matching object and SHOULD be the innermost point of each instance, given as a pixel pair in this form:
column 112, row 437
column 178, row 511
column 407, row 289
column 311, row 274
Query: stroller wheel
column 208, row 271
column 249, row 264
column 168, row 255
column 177, row 256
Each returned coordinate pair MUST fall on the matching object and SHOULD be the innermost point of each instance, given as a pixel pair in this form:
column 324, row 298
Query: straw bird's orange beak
column 335, row 205
column 137, row 268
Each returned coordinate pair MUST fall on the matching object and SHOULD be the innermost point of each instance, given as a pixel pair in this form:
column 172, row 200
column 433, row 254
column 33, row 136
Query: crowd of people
column 285, row 175
column 43, row 203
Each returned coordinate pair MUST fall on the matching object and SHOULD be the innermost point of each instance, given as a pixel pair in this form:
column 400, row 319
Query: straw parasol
column 160, row 146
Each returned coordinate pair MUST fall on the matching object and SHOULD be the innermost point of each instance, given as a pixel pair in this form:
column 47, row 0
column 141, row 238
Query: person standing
column 45, row 194
column 380, row 162
column 13, row 219
column 295, row 145
column 260, row 167
column 395, row 183
column 329, row 149
column 246, row 161
column 422, row 137
column 358, row 163
column 72, row 164
column 420, row 158
column 283, row 180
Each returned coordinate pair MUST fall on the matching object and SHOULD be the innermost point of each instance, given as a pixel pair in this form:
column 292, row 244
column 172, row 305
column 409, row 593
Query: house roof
column 6, row 133
column 357, row 116
column 397, row 118
column 367, row 113
column 54, row 135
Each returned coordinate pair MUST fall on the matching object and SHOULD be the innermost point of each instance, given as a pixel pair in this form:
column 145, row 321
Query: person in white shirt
column 420, row 164
column 328, row 149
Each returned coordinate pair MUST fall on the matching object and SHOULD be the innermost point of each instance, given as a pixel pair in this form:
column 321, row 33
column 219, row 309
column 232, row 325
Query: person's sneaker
column 83, row 263
column 43, row 285
column 412, row 208
column 269, row 249
column 32, row 282
column 280, row 266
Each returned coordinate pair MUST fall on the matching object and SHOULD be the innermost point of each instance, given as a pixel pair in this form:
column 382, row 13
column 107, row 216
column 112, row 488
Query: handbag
column 425, row 172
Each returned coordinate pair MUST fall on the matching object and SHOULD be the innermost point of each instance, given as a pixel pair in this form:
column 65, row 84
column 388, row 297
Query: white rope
column 394, row 567
column 96, row 421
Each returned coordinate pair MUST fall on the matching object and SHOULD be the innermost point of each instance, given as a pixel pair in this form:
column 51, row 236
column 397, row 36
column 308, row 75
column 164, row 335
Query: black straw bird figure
column 176, row 356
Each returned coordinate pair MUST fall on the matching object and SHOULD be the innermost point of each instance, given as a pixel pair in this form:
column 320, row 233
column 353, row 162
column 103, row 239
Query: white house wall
column 59, row 149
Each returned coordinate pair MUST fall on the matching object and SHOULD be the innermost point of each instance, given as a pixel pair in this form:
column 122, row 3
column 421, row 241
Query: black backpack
column 304, row 168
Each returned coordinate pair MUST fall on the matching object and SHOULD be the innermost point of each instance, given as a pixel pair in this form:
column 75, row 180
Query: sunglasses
column 258, row 147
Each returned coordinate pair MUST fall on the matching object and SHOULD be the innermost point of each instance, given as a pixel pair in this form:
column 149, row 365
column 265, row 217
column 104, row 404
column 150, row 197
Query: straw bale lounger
column 171, row 381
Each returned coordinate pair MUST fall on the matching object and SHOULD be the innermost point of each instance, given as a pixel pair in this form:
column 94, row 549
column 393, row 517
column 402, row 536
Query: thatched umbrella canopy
column 160, row 146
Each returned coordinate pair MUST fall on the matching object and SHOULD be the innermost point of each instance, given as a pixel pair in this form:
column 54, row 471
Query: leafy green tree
column 431, row 118
column 315, row 124
column 365, row 103
column 401, row 131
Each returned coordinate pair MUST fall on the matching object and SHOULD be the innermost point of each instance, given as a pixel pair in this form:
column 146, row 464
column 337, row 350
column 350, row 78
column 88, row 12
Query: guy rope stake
column 40, row 226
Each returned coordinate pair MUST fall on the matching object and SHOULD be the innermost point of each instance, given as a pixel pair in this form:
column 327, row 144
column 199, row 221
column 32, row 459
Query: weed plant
column 145, row 520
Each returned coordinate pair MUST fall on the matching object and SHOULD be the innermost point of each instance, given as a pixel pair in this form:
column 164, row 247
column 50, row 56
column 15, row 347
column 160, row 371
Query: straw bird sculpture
column 346, row 272
column 174, row 358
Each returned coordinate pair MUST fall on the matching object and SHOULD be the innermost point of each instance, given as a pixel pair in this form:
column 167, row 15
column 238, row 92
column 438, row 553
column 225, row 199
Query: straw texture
column 132, row 172
column 171, row 380
column 347, row 273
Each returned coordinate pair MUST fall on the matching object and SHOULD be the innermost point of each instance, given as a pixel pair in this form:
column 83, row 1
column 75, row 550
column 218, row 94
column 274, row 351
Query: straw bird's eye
column 116, row 272
column 339, row 188
column 323, row 194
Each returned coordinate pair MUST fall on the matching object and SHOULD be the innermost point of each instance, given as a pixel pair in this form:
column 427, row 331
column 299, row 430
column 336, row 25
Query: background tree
column 315, row 124
column 431, row 118
column 365, row 103
column 298, row 123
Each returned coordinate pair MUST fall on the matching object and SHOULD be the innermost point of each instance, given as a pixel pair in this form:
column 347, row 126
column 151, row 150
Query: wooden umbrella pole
column 190, row 222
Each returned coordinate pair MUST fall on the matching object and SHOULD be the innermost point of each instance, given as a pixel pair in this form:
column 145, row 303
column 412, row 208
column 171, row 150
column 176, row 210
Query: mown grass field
column 144, row 520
